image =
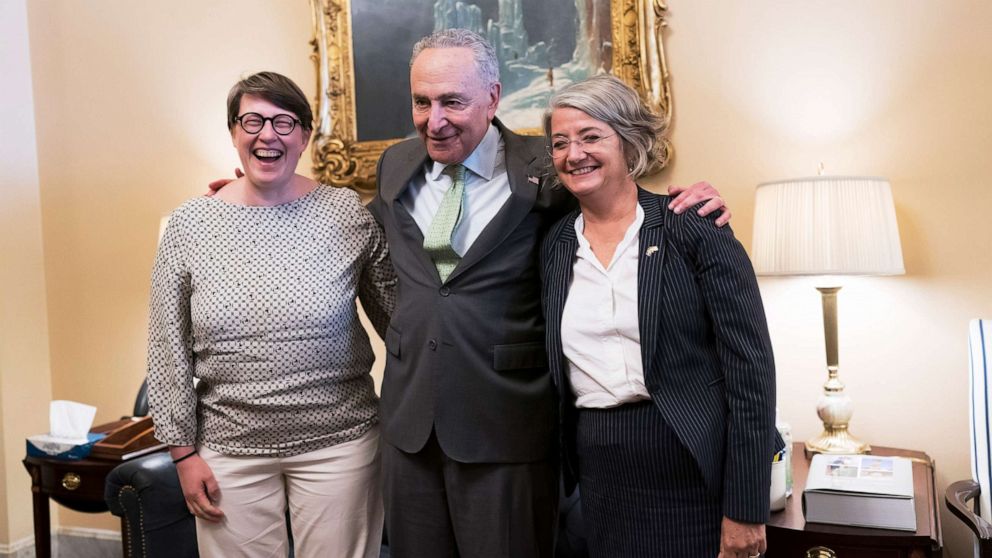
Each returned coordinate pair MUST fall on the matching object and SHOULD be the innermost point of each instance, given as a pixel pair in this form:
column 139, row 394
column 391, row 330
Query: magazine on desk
column 860, row 490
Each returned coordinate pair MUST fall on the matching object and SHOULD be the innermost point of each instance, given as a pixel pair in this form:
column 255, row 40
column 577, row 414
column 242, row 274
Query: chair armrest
column 152, row 476
column 957, row 496
column 146, row 494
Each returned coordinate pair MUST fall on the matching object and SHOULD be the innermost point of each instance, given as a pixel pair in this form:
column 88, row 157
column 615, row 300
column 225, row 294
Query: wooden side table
column 77, row 485
column 790, row 536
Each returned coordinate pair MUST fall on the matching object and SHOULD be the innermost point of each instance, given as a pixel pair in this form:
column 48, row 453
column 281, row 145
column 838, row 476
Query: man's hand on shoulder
column 686, row 197
column 216, row 185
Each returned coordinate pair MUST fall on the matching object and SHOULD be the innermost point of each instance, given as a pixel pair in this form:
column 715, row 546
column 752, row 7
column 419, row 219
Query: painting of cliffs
column 541, row 44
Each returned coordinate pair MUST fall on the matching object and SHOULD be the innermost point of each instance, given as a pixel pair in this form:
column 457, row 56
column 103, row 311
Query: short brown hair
column 274, row 88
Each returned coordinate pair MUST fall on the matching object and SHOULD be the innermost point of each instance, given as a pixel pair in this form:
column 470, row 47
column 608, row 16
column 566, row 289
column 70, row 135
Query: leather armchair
column 141, row 401
column 145, row 493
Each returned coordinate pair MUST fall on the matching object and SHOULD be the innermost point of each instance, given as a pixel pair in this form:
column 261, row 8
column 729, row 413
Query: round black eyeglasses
column 282, row 124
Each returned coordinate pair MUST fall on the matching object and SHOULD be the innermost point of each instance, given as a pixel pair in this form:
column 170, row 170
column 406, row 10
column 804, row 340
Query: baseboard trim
column 89, row 533
column 11, row 548
column 69, row 542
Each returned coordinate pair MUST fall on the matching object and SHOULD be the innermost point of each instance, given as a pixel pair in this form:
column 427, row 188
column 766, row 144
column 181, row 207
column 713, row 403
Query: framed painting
column 361, row 50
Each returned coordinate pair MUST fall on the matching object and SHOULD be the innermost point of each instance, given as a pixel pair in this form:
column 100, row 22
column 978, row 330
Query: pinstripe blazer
column 706, row 353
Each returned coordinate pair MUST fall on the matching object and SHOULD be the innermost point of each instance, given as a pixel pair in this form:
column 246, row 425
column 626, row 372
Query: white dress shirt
column 486, row 190
column 599, row 333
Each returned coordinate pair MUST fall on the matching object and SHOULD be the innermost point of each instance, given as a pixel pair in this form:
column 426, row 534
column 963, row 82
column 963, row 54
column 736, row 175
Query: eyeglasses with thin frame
column 282, row 124
column 560, row 146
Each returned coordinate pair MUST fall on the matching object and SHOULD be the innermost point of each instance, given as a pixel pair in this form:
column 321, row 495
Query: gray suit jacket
column 705, row 349
column 466, row 358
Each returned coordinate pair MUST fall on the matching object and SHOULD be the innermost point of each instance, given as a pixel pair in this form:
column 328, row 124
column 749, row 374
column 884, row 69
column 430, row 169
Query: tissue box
column 47, row 447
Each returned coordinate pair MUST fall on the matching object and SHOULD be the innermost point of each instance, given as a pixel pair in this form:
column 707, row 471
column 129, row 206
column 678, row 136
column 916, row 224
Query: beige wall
column 130, row 103
column 129, row 107
column 25, row 378
column 768, row 89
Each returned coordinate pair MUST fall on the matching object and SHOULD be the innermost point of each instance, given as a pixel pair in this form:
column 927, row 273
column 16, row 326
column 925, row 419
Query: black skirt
column 642, row 492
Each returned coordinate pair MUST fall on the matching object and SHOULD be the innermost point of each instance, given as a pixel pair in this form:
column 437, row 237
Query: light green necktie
column 437, row 241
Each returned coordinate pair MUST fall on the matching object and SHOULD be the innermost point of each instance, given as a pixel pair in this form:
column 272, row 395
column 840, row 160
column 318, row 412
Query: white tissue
column 70, row 421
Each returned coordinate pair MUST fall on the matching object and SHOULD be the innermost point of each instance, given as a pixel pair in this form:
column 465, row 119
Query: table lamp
column 828, row 226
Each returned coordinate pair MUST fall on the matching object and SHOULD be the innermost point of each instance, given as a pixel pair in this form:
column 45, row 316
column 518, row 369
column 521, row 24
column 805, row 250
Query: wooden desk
column 790, row 536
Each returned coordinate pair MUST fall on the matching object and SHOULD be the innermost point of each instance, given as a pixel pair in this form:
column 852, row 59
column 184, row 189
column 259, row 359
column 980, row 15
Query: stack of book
column 860, row 490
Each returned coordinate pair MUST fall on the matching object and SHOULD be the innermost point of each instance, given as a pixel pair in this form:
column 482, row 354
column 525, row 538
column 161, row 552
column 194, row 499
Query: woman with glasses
column 253, row 295
column 658, row 346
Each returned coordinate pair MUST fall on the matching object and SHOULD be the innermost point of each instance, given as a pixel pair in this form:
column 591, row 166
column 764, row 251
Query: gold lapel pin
column 650, row 251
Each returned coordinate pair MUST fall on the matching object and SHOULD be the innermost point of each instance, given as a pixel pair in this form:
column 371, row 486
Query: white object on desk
column 778, row 496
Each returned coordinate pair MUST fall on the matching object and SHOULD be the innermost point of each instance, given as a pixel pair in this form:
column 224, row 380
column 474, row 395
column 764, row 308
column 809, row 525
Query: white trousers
column 334, row 497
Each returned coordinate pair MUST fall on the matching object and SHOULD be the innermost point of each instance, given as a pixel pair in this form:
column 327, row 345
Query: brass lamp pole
column 834, row 407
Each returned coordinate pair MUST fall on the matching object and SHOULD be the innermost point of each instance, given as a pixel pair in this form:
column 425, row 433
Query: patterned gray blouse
column 259, row 304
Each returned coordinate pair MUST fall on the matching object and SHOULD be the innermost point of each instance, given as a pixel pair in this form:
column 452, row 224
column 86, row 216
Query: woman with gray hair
column 657, row 344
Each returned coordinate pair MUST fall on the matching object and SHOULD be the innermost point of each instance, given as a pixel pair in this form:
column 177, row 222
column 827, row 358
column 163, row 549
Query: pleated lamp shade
column 826, row 225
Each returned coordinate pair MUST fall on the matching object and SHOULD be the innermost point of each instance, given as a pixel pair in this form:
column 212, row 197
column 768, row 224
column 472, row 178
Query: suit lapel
column 558, row 274
column 393, row 183
column 521, row 166
column 650, row 275
column 395, row 177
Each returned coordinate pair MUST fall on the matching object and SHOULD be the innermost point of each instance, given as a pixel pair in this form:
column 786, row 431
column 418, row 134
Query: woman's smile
column 267, row 155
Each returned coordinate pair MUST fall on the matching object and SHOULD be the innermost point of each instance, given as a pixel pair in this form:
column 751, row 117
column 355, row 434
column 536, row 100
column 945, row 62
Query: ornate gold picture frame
column 343, row 157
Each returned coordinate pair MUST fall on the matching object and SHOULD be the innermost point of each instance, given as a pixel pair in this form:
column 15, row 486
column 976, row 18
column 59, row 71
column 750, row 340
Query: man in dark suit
column 468, row 410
